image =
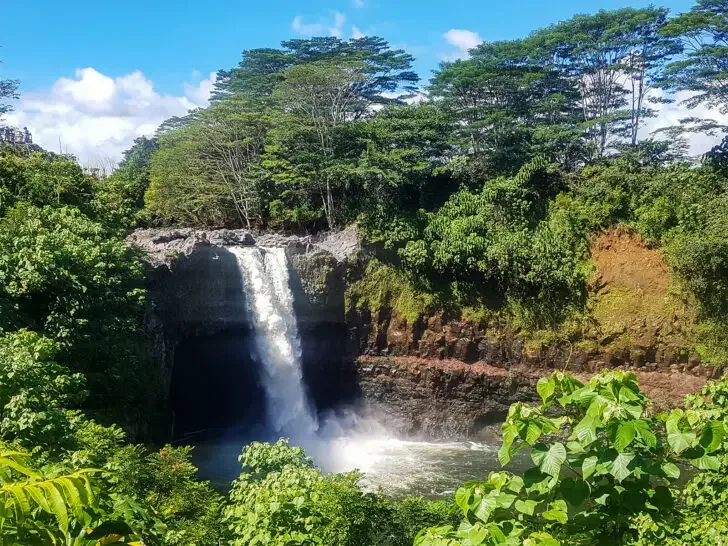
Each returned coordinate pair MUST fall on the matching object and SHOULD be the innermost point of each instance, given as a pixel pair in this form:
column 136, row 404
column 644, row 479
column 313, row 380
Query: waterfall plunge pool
column 399, row 468
column 395, row 466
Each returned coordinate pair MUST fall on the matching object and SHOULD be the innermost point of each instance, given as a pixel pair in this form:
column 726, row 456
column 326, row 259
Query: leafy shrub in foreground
column 599, row 467
column 280, row 498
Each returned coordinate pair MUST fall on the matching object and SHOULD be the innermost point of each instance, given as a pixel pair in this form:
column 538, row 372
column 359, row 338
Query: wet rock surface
column 439, row 337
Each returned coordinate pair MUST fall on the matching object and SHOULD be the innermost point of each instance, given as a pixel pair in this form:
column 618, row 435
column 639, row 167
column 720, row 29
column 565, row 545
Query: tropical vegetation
column 478, row 192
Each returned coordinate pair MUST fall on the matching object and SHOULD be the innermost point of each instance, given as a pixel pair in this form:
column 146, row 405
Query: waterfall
column 270, row 304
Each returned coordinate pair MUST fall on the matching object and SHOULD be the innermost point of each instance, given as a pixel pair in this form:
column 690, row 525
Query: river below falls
column 397, row 468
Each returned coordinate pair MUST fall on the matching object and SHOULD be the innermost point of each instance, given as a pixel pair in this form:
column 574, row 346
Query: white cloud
column 200, row 92
column 464, row 40
column 97, row 117
column 356, row 33
column 670, row 114
column 357, row 3
column 329, row 26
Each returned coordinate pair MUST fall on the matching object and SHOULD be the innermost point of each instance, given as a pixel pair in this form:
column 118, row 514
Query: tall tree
column 401, row 170
column 612, row 58
column 260, row 70
column 501, row 98
column 232, row 137
column 315, row 101
column 206, row 171
column 703, row 69
column 121, row 195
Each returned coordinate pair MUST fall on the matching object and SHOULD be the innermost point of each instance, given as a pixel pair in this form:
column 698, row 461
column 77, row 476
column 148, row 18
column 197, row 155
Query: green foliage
column 8, row 91
column 60, row 272
column 40, row 179
column 281, row 498
column 120, row 197
column 604, row 464
column 501, row 241
column 261, row 69
column 165, row 481
column 38, row 507
column 384, row 286
column 36, row 393
column 700, row 516
column 479, row 200
column 66, row 277
column 208, row 171
column 260, row 459
column 703, row 67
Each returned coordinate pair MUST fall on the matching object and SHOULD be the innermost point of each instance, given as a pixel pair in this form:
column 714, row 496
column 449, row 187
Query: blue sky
column 168, row 40
column 94, row 75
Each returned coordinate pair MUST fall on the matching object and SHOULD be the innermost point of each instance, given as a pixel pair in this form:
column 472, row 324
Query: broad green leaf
column 58, row 506
column 586, row 430
column 526, row 506
column 672, row 424
column 545, row 388
column 496, row 533
column 485, row 509
column 462, row 499
column 671, row 470
column 589, row 466
column 574, row 491
column 557, row 512
column 634, row 410
column 515, row 484
column 706, row 462
column 541, row 539
column 625, row 435
column 619, row 468
column 602, row 499
column 549, row 459
column 642, row 428
column 627, row 394
column 533, row 432
column 504, row 500
column 504, row 455
column 712, row 436
column 680, row 441
column 476, row 534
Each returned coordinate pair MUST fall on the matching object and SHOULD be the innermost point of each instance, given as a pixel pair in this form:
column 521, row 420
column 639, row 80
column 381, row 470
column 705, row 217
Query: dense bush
column 603, row 470
column 36, row 393
column 41, row 178
column 282, row 498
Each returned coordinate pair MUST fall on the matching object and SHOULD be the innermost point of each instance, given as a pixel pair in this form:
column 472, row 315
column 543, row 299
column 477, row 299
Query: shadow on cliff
column 329, row 370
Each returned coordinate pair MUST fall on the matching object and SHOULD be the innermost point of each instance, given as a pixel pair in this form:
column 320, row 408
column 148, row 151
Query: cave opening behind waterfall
column 216, row 385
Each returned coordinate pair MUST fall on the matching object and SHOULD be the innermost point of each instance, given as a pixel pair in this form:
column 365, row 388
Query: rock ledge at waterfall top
column 164, row 245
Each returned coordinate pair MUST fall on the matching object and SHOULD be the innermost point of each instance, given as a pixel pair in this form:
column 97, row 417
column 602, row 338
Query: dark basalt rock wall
column 198, row 328
column 441, row 337
column 440, row 399
column 436, row 377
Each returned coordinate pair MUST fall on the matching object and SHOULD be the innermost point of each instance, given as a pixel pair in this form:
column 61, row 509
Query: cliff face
column 436, row 377
column 441, row 399
column 438, row 337
column 198, row 327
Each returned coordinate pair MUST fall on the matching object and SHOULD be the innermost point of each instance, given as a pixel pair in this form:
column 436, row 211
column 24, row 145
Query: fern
column 27, row 497
column 60, row 496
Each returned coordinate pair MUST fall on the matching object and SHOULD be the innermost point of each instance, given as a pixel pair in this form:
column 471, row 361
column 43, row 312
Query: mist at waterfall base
column 337, row 441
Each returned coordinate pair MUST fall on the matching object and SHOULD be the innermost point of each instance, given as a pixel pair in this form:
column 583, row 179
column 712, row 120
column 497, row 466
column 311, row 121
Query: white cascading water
column 270, row 302
column 341, row 442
